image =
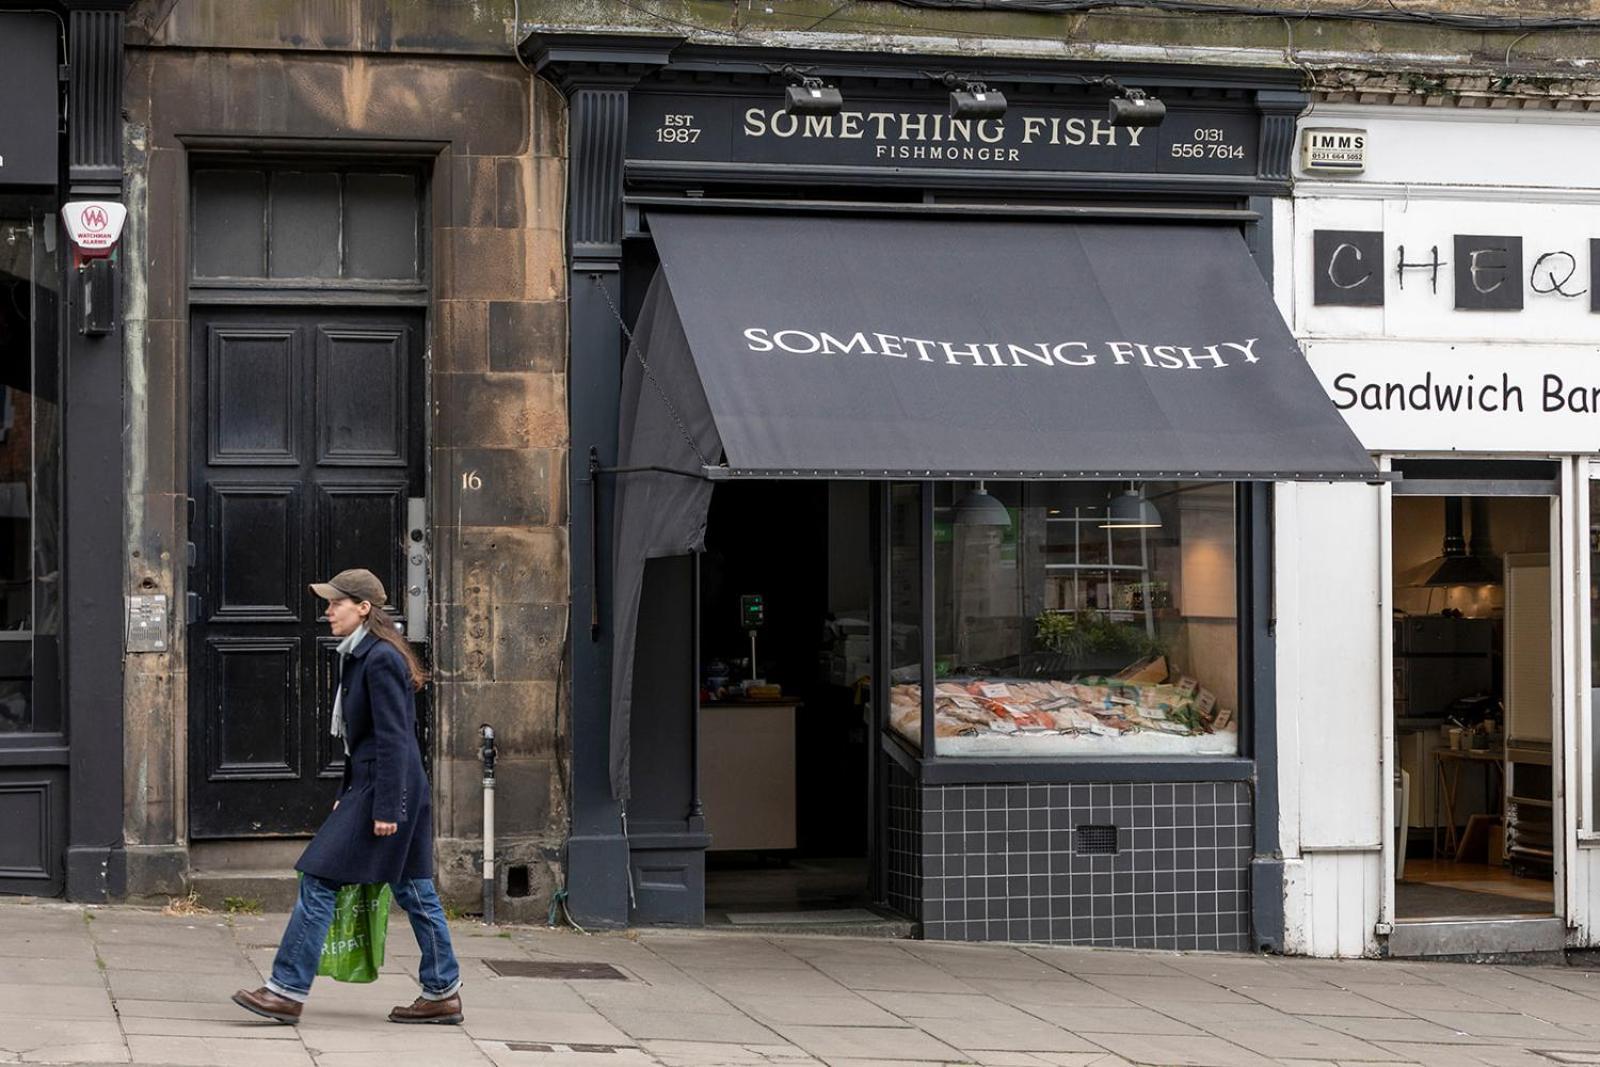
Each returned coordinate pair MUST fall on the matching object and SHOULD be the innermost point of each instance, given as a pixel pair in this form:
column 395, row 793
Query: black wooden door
column 305, row 445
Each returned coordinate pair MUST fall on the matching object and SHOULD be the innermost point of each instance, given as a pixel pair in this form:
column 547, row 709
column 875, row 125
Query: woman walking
column 381, row 829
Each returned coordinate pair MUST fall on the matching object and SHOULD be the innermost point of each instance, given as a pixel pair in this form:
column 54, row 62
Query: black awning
column 824, row 347
column 938, row 347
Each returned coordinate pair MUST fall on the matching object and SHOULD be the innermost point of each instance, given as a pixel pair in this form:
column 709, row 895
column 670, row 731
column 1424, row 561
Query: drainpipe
column 487, row 754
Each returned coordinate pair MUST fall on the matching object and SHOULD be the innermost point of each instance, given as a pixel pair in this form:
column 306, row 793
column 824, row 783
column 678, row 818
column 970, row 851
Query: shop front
column 60, row 387
column 922, row 474
column 1444, row 300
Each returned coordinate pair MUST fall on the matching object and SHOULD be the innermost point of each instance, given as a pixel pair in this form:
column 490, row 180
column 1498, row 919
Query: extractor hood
column 1457, row 564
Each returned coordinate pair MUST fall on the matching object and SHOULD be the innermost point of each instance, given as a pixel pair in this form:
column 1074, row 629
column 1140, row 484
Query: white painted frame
column 1585, row 831
column 1568, row 539
column 1386, row 750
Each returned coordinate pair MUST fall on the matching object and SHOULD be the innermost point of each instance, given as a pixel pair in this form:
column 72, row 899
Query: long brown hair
column 380, row 624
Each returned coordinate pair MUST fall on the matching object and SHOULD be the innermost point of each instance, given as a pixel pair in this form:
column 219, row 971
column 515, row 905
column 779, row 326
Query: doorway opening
column 786, row 583
column 1475, row 702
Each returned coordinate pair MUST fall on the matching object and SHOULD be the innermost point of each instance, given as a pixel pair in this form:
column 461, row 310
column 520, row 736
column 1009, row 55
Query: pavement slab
column 210, row 1051
column 1179, row 1051
column 870, row 1042
column 131, row 985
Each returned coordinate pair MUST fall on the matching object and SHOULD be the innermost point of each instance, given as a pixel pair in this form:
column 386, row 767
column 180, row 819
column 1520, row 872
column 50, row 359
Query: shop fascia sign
column 1488, row 272
column 1462, row 396
column 683, row 128
column 1333, row 150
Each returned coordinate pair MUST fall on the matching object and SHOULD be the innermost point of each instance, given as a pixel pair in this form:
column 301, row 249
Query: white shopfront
column 1448, row 297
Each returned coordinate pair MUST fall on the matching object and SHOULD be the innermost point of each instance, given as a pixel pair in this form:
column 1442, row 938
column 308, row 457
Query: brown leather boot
column 423, row 1010
column 269, row 1005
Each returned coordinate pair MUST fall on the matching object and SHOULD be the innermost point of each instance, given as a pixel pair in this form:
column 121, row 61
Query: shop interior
column 785, row 656
column 1474, row 707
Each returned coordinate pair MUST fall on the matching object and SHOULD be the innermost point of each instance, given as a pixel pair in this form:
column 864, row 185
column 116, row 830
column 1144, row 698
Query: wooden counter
column 747, row 776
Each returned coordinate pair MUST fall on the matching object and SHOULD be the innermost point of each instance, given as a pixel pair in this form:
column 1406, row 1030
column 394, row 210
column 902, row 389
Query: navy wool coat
column 383, row 779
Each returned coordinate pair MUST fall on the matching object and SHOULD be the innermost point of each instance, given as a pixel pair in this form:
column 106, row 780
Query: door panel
column 256, row 731
column 361, row 395
column 307, row 443
column 253, row 551
column 253, row 404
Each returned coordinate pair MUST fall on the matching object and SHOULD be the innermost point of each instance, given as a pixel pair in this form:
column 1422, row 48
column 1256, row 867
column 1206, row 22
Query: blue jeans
column 295, row 966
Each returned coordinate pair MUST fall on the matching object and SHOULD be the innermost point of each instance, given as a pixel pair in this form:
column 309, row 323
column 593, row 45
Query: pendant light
column 1129, row 510
column 978, row 508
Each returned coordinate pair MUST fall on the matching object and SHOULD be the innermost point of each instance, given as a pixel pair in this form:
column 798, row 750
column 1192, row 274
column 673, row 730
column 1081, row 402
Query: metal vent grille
column 560, row 970
column 1096, row 841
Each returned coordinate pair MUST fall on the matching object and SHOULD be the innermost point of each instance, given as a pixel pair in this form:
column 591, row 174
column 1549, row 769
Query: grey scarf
column 347, row 646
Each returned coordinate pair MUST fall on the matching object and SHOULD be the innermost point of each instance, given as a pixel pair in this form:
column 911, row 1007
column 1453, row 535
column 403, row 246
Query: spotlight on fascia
column 809, row 95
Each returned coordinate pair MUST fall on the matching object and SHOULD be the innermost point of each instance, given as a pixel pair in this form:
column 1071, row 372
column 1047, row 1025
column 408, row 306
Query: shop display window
column 1077, row 618
column 30, row 457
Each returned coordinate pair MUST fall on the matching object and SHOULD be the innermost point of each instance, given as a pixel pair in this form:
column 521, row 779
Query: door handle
column 191, row 608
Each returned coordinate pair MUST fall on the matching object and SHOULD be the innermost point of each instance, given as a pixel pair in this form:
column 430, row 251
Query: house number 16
column 470, row 480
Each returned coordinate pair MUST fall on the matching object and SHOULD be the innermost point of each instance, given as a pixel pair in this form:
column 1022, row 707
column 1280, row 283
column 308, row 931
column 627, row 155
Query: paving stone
column 53, row 1002
column 820, row 1011
column 179, row 1009
column 93, row 1052
column 939, row 1005
column 916, row 978
column 33, row 1036
column 503, row 1056
column 440, row 1041
column 140, row 957
column 565, row 1027
column 240, row 1024
column 1155, row 990
column 1406, row 1029
column 1178, row 1051
column 1201, row 1012
column 1006, row 1033
column 1111, row 1020
column 32, row 945
column 466, row 1053
column 807, row 983
column 688, row 1026
column 210, row 1051
column 708, row 1054
column 176, row 984
column 1466, row 1055
column 869, row 1042
column 1063, row 990
column 1497, row 1024
column 1292, row 1039
column 45, row 971
column 1318, row 1000
column 1082, row 961
column 1421, row 997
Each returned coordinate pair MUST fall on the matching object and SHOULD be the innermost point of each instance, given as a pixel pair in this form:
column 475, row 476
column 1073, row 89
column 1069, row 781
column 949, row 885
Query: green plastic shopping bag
column 353, row 951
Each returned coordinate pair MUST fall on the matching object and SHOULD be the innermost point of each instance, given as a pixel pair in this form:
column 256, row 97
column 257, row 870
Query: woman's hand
column 384, row 829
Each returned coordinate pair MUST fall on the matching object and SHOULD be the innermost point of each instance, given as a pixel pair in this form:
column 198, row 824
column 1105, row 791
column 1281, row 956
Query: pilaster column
column 596, row 76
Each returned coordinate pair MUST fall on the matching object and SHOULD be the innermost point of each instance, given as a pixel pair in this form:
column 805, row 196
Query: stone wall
column 497, row 356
